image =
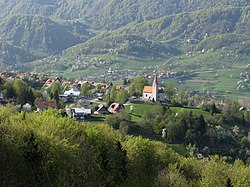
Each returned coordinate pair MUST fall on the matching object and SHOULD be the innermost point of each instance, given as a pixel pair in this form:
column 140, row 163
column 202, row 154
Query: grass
column 180, row 149
column 139, row 110
column 196, row 111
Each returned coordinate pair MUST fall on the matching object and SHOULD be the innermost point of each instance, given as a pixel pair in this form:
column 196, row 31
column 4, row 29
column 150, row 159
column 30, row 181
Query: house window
column 146, row 95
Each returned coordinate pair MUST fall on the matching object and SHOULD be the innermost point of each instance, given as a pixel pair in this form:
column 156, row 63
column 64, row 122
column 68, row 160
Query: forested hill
column 38, row 36
column 111, row 14
column 155, row 29
column 172, row 35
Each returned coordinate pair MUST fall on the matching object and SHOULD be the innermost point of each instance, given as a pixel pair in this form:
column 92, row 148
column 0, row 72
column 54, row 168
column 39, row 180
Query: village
column 80, row 99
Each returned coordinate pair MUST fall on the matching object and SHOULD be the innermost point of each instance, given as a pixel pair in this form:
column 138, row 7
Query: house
column 115, row 108
column 64, row 98
column 154, row 92
column 73, row 92
column 101, row 109
column 41, row 105
column 80, row 113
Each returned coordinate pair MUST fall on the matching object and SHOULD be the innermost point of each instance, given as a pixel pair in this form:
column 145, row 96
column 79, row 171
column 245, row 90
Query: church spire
column 155, row 82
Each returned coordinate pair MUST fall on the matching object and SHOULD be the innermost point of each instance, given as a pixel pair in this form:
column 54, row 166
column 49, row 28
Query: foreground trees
column 48, row 150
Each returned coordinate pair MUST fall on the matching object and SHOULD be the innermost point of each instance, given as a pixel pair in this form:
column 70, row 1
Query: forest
column 49, row 150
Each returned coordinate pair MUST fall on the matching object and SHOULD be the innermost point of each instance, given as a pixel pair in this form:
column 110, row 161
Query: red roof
column 147, row 89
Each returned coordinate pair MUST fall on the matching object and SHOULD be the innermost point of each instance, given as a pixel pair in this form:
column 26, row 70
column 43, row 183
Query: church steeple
column 155, row 82
column 155, row 88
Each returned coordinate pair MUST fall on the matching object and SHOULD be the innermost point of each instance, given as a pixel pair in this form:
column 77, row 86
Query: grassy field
column 139, row 110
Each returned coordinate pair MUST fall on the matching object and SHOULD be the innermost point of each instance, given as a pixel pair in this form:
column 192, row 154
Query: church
column 154, row 92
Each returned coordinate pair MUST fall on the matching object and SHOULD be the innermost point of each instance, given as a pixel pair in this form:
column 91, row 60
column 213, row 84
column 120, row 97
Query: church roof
column 149, row 89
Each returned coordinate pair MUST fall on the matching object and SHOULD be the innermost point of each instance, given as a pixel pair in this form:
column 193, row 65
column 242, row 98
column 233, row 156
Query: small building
column 80, row 113
column 115, row 108
column 154, row 92
column 42, row 106
column 73, row 92
column 64, row 98
column 101, row 109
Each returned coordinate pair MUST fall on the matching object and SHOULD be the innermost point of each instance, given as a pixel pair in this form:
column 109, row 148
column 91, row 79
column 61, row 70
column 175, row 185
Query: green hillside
column 216, row 30
column 36, row 33
column 126, row 35
column 14, row 56
column 111, row 14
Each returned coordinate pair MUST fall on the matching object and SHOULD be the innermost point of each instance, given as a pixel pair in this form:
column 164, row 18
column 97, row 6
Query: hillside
column 124, row 34
column 38, row 36
column 111, row 14
column 13, row 56
column 180, row 34
column 36, row 33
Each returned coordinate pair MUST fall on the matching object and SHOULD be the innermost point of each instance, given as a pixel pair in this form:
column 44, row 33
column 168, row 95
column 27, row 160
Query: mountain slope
column 36, row 33
column 111, row 14
column 177, row 32
column 13, row 56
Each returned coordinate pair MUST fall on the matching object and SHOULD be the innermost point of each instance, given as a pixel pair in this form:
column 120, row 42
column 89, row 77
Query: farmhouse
column 80, row 113
column 154, row 92
column 42, row 106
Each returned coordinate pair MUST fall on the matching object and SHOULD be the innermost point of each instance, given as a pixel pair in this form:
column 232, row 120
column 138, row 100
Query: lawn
column 139, row 109
column 196, row 111
column 180, row 149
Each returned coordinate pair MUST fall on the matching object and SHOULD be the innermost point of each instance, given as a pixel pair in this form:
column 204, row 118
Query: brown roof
column 114, row 107
column 118, row 86
column 48, row 104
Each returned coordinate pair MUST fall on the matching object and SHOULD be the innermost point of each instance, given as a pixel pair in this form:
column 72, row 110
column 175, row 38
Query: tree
column 176, row 131
column 2, row 81
column 113, row 94
column 182, row 95
column 136, row 86
column 240, row 174
column 215, row 173
column 56, row 86
column 8, row 91
column 85, row 90
column 151, row 120
column 125, row 82
column 115, row 120
column 213, row 108
column 20, row 88
column 169, row 91
column 122, row 96
column 172, row 176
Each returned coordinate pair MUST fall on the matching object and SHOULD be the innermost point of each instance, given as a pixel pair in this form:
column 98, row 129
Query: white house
column 73, row 92
column 80, row 113
column 154, row 92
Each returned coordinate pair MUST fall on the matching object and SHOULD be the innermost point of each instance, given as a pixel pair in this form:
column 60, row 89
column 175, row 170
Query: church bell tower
column 155, row 87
